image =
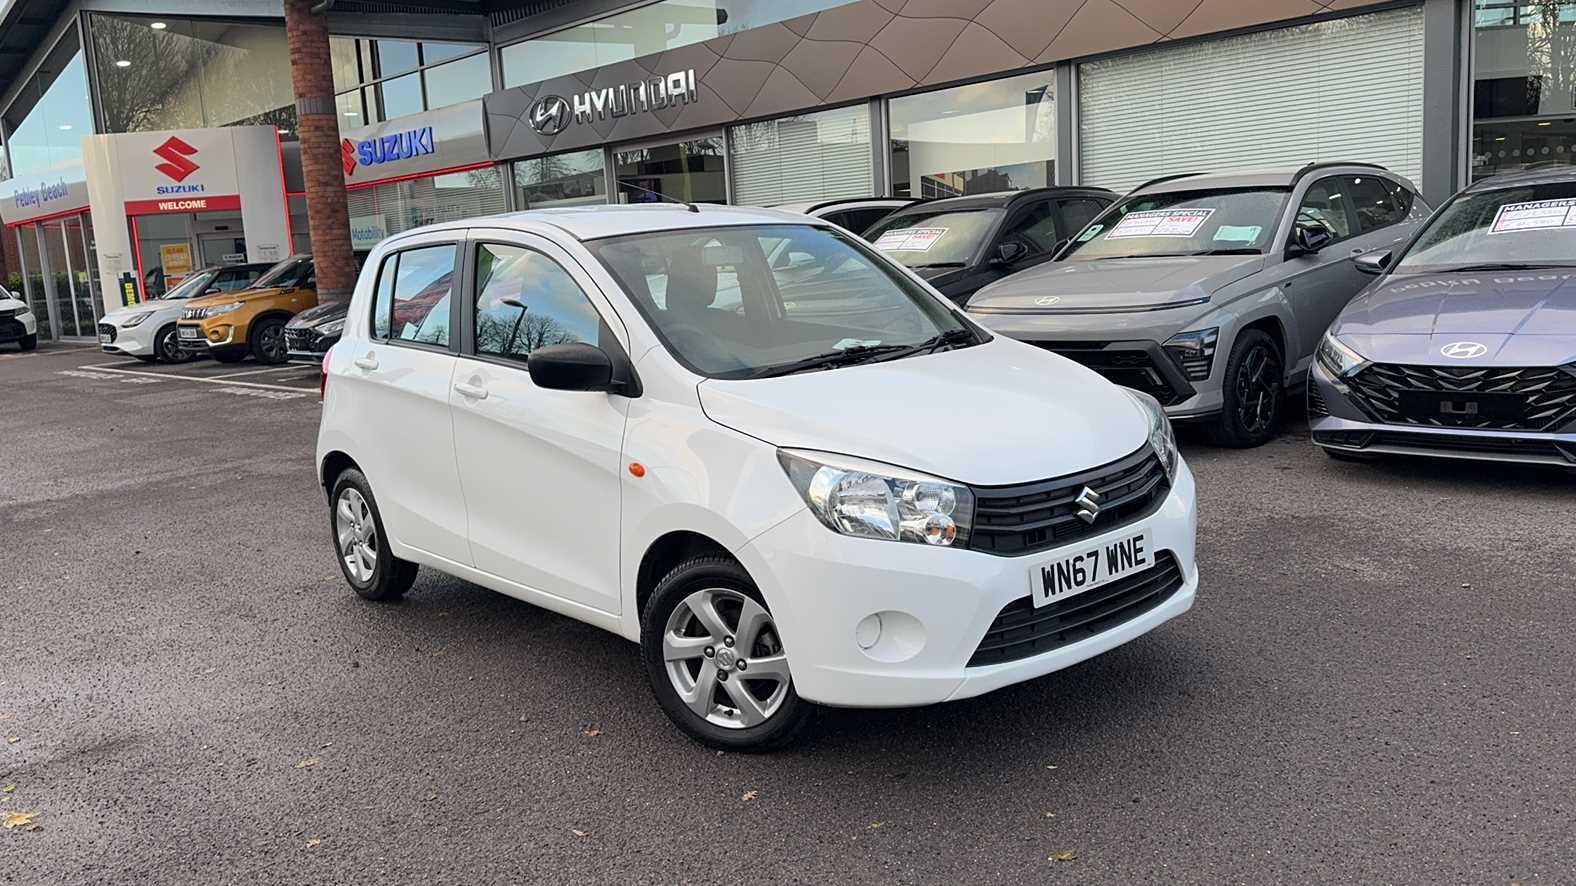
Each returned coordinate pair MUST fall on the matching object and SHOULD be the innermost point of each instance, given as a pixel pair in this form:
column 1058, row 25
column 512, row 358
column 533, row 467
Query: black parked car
column 310, row 334
column 959, row 244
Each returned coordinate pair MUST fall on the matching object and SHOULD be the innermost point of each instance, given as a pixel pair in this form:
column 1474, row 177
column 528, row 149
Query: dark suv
column 959, row 244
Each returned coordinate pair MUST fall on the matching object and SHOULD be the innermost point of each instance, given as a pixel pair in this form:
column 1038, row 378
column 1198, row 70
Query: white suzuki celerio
column 748, row 441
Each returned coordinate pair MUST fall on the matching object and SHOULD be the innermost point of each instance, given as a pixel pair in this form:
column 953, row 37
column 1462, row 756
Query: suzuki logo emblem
column 347, row 156
column 174, row 152
column 1046, row 301
column 550, row 115
column 1088, row 503
column 1464, row 350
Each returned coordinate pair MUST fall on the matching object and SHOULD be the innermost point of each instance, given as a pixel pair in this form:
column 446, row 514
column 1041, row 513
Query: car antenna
column 661, row 196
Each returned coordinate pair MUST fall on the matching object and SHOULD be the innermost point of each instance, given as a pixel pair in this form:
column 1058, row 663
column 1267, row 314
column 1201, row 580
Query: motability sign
column 386, row 149
column 46, row 192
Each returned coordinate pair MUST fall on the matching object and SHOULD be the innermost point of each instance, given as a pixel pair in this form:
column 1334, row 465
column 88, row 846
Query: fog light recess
column 890, row 636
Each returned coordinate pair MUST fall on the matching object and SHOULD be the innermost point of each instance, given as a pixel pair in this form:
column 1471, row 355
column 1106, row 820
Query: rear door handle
column 369, row 362
column 475, row 392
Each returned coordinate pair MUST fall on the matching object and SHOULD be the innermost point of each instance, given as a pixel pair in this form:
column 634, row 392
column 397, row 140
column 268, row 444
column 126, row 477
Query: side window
column 1411, row 206
column 412, row 300
column 1375, row 203
column 1078, row 213
column 1035, row 229
column 1325, row 204
column 525, row 301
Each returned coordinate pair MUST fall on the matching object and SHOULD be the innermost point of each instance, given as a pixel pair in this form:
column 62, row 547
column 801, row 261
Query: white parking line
column 261, row 371
column 212, row 381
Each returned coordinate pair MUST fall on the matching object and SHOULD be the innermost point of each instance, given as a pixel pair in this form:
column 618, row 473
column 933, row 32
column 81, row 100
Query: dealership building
column 144, row 139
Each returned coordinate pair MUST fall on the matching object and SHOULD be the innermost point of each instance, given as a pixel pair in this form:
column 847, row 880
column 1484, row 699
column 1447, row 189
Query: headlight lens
column 1161, row 440
column 1338, row 358
column 135, row 319
column 332, row 328
column 1194, row 351
column 216, row 310
column 872, row 500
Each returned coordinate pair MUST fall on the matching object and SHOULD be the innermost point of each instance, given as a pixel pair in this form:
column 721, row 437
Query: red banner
column 183, row 204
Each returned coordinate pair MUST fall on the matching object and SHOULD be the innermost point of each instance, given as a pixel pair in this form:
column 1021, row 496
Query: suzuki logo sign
column 382, row 149
column 174, row 153
column 550, row 115
column 1464, row 350
column 347, row 156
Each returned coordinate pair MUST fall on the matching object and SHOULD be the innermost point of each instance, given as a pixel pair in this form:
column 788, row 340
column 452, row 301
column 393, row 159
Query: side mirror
column 212, row 290
column 1373, row 262
column 1308, row 239
column 576, row 366
column 1010, row 251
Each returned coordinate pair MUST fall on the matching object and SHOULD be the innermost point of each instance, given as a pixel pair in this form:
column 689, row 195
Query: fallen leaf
column 1050, row 766
column 8, row 789
column 1050, row 815
column 591, row 732
column 18, row 819
column 875, row 825
column 1064, row 855
column 314, row 842
column 13, row 739
column 308, row 763
column 577, row 832
column 750, row 795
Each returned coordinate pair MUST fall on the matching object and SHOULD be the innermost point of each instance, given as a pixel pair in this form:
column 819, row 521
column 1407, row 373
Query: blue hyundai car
column 1465, row 347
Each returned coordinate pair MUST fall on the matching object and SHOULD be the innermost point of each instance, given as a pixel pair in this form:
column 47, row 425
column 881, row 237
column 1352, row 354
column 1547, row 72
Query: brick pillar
column 317, row 123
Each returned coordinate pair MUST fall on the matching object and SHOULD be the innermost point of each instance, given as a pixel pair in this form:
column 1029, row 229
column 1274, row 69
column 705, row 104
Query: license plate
column 188, row 332
column 104, row 338
column 1091, row 568
column 1464, row 407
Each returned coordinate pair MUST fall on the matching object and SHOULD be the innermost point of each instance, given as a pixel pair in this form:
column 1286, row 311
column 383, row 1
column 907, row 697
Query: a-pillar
column 317, row 124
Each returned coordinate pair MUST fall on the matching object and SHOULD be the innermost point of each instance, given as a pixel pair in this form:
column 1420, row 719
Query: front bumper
column 306, row 344
column 18, row 327
column 216, row 335
column 1338, row 425
column 935, row 606
column 131, row 340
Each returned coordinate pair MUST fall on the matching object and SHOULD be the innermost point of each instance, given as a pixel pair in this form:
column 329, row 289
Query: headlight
column 1161, row 440
column 873, row 500
column 332, row 328
column 1194, row 351
column 135, row 319
column 1339, row 359
column 216, row 310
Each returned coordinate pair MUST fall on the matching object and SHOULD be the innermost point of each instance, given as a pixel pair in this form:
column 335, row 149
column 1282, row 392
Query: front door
column 1320, row 284
column 541, row 469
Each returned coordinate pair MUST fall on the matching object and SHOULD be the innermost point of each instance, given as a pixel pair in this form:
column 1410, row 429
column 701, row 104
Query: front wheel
column 167, row 348
column 1254, row 392
column 361, row 543
column 715, row 662
column 268, row 341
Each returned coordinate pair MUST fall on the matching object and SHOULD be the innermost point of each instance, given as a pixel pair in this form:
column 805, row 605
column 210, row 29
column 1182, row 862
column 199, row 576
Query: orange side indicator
column 637, row 469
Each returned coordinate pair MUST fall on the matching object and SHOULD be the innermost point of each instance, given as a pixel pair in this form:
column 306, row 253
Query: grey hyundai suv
column 1210, row 292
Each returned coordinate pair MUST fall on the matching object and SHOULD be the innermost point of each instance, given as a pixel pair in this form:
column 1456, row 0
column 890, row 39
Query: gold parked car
column 229, row 325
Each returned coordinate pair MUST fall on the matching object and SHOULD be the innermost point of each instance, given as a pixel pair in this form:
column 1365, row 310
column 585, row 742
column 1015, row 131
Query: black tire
column 268, row 341
column 790, row 717
column 390, row 576
column 167, row 349
column 228, row 355
column 28, row 342
column 1255, row 392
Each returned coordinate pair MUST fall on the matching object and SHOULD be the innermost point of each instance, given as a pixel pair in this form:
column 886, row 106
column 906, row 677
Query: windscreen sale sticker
column 910, row 239
column 1179, row 222
column 1538, row 215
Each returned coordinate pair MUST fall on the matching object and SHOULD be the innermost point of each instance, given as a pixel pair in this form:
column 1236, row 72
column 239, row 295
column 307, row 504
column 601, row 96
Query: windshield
column 935, row 239
column 748, row 301
column 1184, row 223
column 192, row 286
column 287, row 273
column 1533, row 226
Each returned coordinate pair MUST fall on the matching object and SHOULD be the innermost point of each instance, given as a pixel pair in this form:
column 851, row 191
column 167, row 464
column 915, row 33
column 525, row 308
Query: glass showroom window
column 167, row 73
column 821, row 156
column 661, row 26
column 1523, row 85
column 571, row 179
column 975, row 139
column 402, row 205
column 50, row 116
column 382, row 79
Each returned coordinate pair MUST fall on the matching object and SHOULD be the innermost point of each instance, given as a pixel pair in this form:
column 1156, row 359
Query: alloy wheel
column 724, row 658
column 271, row 340
column 1258, row 389
column 357, row 534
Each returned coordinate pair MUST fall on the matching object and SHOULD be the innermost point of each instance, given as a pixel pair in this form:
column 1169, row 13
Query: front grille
column 12, row 329
column 1127, row 367
column 6, row 313
column 1022, row 631
column 192, row 314
column 108, row 332
column 302, row 340
column 1022, row 519
column 1317, row 408
column 1523, row 398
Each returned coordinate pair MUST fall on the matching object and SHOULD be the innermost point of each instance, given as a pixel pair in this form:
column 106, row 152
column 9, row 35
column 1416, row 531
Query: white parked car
column 17, row 322
column 147, row 331
column 831, row 488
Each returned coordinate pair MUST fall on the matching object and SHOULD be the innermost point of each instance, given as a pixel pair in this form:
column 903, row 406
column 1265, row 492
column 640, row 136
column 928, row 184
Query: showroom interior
column 444, row 111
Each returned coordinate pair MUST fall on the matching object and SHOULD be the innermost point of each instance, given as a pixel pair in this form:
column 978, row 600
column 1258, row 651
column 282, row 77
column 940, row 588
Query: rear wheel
column 715, row 662
column 268, row 341
column 1254, row 392
column 361, row 544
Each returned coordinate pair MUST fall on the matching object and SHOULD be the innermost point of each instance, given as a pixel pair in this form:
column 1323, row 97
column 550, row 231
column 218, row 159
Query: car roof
column 809, row 206
column 1269, row 177
column 1552, row 174
column 1002, row 199
column 613, row 220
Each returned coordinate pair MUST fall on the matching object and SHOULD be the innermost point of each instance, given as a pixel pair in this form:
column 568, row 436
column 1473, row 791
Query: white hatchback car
column 831, row 489
column 17, row 322
column 147, row 330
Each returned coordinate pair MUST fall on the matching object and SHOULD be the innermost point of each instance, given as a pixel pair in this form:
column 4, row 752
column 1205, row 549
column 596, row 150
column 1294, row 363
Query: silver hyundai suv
column 1252, row 267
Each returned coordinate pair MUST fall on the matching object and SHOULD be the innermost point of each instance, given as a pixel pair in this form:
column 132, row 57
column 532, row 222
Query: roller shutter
column 820, row 156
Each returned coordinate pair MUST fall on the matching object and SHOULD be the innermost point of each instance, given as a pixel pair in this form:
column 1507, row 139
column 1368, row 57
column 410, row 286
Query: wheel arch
column 668, row 551
column 333, row 464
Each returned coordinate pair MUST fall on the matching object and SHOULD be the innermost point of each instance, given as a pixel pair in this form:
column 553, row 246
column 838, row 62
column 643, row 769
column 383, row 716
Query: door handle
column 369, row 362
column 1358, row 251
column 475, row 392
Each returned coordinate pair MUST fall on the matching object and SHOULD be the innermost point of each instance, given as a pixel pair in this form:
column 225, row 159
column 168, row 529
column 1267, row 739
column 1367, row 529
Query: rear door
column 400, row 380
column 540, row 468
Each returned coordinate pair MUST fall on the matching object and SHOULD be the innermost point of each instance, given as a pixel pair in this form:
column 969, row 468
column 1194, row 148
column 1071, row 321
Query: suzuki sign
column 419, row 143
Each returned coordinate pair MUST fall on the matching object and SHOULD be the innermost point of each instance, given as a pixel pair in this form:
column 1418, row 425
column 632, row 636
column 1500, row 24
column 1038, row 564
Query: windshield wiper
column 1235, row 250
column 828, row 360
column 1507, row 266
column 940, row 264
column 950, row 338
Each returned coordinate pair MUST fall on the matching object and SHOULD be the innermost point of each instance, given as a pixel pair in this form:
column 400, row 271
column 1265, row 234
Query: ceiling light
column 122, row 63
column 352, row 113
column 65, row 126
column 158, row 26
column 283, row 131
